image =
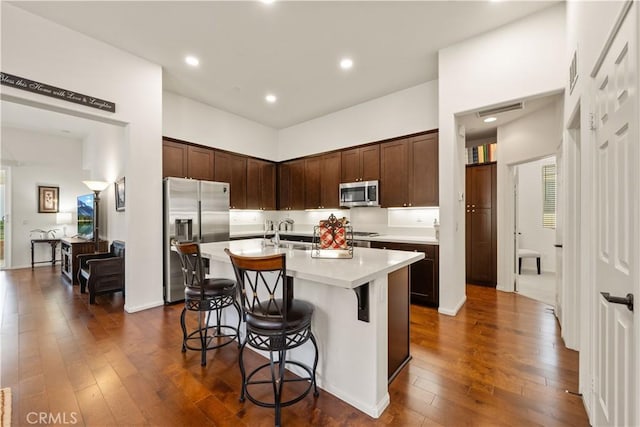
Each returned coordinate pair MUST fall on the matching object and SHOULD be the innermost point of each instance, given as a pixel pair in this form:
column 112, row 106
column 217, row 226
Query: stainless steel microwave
column 362, row 193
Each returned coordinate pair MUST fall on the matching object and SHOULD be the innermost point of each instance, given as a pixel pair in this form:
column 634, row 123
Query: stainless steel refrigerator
column 194, row 211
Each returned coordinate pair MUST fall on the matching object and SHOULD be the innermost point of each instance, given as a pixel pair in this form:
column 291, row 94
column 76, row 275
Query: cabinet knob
column 409, row 204
column 468, row 210
column 404, row 204
column 473, row 210
column 473, row 206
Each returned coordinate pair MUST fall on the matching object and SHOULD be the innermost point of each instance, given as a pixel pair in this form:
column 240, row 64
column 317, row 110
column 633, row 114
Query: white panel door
column 616, row 224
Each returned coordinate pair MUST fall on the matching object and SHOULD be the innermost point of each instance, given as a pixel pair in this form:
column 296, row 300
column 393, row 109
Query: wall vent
column 502, row 109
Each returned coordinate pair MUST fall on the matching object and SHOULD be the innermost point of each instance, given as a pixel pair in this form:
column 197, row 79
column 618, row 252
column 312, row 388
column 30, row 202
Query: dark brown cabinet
column 399, row 322
column 232, row 168
column 261, row 184
column 322, row 181
column 481, row 224
column 70, row 248
column 291, row 185
column 409, row 171
column 200, row 163
column 361, row 164
column 423, row 170
column 187, row 161
column 174, row 159
column 423, row 275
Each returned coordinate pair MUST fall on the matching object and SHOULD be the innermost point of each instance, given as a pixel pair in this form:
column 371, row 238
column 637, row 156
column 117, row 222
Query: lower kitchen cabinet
column 423, row 275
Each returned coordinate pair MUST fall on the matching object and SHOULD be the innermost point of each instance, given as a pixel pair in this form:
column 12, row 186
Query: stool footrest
column 299, row 397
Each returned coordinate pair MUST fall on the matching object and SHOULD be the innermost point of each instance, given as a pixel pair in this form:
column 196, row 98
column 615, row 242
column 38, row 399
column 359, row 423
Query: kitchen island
column 352, row 299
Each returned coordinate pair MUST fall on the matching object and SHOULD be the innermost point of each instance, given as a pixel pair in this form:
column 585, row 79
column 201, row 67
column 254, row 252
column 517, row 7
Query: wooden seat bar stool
column 206, row 295
column 276, row 323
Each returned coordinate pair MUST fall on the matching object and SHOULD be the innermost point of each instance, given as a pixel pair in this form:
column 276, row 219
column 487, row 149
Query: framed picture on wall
column 48, row 199
column 119, row 190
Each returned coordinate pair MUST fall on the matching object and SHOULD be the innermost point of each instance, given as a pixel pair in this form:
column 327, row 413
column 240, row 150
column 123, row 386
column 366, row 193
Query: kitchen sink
column 301, row 246
column 295, row 246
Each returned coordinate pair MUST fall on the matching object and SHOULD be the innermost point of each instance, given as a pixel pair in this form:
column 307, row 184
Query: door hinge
column 592, row 122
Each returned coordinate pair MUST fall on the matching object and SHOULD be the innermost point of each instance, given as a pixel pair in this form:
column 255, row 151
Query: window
column 549, row 196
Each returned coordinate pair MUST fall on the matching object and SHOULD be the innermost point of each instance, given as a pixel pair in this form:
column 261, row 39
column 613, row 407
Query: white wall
column 104, row 156
column 405, row 222
column 41, row 50
column 192, row 121
column 530, row 202
column 40, row 159
column 588, row 27
column 401, row 113
column 517, row 61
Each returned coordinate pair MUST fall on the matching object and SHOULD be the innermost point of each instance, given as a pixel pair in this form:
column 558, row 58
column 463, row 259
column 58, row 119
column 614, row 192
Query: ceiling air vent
column 502, row 109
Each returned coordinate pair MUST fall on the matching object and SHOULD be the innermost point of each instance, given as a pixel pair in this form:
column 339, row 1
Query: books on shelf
column 481, row 154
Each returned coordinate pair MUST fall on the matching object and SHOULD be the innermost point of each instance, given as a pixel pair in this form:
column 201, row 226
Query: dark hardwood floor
column 501, row 361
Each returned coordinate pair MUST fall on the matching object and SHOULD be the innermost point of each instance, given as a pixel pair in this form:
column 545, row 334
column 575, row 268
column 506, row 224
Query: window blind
column 549, row 196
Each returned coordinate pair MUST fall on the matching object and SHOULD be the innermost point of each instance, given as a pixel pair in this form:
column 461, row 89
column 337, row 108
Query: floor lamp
column 96, row 187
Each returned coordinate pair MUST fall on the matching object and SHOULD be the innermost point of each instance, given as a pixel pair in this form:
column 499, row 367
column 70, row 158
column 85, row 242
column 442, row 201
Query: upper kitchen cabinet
column 187, row 161
column 174, row 159
column 261, row 184
column 423, row 170
column 409, row 171
column 322, row 181
column 291, row 185
column 361, row 164
column 232, row 168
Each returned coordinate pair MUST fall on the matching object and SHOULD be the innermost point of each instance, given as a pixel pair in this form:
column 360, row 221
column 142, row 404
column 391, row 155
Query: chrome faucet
column 276, row 237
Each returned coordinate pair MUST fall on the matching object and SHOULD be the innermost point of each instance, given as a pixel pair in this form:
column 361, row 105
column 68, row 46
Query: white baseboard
column 454, row 311
column 133, row 309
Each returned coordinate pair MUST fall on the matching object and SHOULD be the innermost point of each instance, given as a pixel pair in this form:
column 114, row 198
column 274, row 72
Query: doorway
column 535, row 231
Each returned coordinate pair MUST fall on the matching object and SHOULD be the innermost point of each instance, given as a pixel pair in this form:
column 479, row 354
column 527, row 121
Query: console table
column 70, row 248
column 54, row 245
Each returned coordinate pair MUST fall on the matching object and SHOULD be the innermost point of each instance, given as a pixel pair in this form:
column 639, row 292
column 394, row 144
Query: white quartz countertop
column 366, row 264
column 396, row 238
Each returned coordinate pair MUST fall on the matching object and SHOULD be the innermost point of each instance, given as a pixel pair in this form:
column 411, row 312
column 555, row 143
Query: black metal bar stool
column 275, row 323
column 204, row 295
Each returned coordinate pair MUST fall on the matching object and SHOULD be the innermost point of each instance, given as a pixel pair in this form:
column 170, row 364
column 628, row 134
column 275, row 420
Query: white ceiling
column 34, row 119
column 476, row 128
column 291, row 49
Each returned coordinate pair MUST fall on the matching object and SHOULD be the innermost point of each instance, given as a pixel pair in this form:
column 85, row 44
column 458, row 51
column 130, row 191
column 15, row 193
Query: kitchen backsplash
column 409, row 221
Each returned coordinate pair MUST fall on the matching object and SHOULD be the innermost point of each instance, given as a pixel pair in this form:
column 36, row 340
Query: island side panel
column 399, row 321
column 353, row 353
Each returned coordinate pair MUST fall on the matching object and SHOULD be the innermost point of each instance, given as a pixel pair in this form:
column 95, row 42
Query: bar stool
column 275, row 323
column 204, row 295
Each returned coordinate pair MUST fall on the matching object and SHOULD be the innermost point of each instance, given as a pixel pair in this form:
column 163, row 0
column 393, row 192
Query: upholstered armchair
column 102, row 272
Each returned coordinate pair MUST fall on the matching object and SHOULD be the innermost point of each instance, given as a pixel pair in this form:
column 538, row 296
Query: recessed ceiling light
column 192, row 60
column 346, row 63
column 267, row 1
column 490, row 119
column 271, row 98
